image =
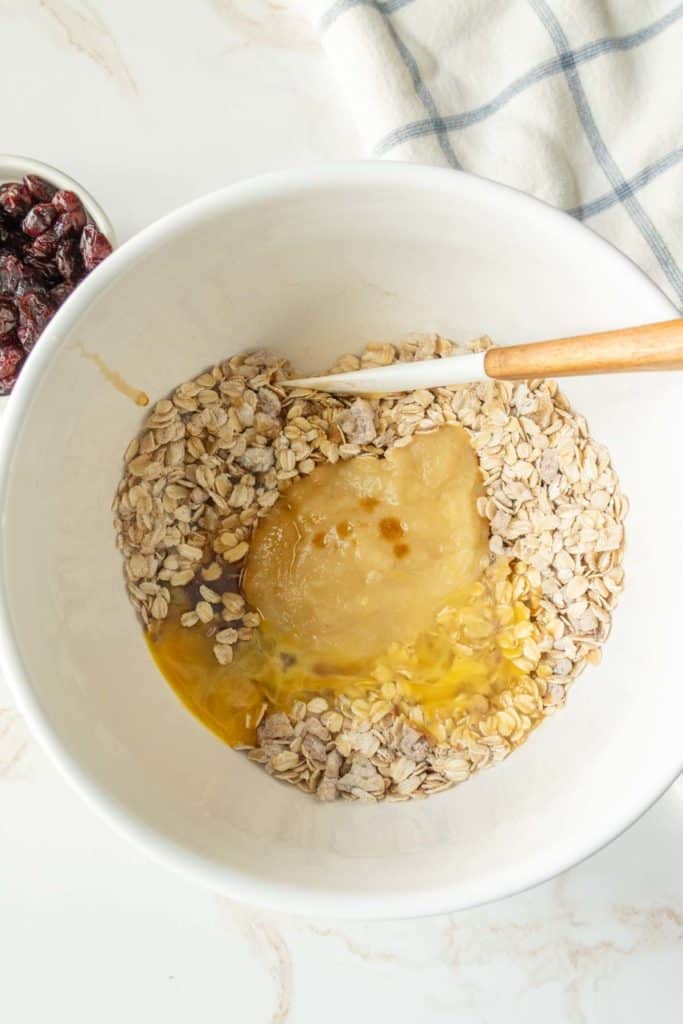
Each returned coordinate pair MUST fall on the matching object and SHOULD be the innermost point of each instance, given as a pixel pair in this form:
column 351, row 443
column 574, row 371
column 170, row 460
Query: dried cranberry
column 12, row 243
column 7, row 385
column 70, row 223
column 95, row 247
column 10, row 358
column 38, row 274
column 6, row 229
column 35, row 310
column 28, row 334
column 68, row 259
column 41, row 191
column 15, row 199
column 65, row 201
column 12, row 271
column 61, row 292
column 8, row 319
column 38, row 219
column 35, row 305
column 44, row 246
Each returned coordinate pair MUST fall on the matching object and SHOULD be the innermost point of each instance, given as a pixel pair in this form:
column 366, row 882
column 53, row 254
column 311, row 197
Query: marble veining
column 14, row 745
column 266, row 23
column 87, row 33
column 581, row 948
column 270, row 950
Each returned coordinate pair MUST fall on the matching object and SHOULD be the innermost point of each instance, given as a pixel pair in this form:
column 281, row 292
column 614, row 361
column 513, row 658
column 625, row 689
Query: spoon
column 650, row 347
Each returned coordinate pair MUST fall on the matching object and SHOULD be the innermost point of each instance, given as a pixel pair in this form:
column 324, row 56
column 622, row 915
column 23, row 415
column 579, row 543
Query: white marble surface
column 150, row 104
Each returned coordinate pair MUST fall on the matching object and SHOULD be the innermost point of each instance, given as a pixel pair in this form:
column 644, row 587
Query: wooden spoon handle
column 650, row 347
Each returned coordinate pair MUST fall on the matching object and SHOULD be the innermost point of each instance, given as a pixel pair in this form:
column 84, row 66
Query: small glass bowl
column 13, row 168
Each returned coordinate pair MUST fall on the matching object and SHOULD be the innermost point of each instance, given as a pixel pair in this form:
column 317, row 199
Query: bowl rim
column 239, row 884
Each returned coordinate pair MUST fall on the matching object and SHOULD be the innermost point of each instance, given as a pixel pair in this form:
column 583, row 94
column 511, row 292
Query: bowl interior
column 312, row 266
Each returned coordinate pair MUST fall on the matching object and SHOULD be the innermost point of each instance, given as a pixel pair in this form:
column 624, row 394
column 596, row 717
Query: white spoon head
column 427, row 373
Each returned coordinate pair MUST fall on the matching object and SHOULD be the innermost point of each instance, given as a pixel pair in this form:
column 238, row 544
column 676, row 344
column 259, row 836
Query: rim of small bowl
column 241, row 885
column 13, row 167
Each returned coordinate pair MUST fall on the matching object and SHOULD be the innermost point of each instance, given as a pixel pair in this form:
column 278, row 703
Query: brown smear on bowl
column 112, row 376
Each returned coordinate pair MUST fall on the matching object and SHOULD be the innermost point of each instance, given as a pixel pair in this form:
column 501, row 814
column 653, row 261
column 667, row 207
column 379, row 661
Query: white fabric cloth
column 579, row 102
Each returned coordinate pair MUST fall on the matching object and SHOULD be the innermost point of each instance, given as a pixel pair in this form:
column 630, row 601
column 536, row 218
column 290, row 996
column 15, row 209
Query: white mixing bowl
column 313, row 264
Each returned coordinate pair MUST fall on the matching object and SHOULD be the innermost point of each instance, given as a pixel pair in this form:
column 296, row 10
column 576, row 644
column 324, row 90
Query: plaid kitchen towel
column 579, row 102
